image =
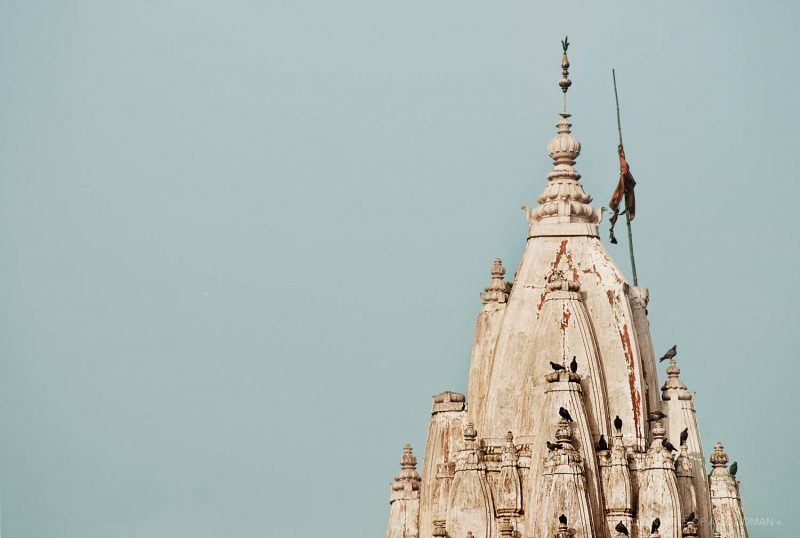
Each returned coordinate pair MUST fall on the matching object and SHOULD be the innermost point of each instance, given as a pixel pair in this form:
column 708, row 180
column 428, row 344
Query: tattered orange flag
column 624, row 188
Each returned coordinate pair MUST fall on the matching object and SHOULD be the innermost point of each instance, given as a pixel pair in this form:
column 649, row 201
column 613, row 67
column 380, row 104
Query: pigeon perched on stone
column 655, row 415
column 669, row 446
column 622, row 529
column 556, row 367
column 684, row 436
column 554, row 446
column 618, row 422
column 573, row 366
column 734, row 469
column 562, row 519
column 670, row 354
column 654, row 527
column 565, row 414
column 690, row 517
column 602, row 444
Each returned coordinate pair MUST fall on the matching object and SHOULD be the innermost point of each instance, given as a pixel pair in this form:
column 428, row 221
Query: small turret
column 658, row 488
column 678, row 403
column 685, row 477
column 725, row 501
column 509, row 491
column 470, row 507
column 404, row 511
column 495, row 300
column 439, row 464
column 563, row 489
column 617, row 487
column 498, row 289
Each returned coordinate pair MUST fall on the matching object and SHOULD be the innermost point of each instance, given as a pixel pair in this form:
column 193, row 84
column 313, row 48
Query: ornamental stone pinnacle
column 565, row 82
column 563, row 208
column 502, row 462
column 497, row 292
column 719, row 458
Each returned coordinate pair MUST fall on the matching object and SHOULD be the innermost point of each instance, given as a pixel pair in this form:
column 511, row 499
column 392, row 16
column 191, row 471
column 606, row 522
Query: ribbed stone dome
column 564, row 147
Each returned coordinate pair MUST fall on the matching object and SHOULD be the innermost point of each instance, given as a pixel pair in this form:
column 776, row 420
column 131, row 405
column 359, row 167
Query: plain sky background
column 242, row 242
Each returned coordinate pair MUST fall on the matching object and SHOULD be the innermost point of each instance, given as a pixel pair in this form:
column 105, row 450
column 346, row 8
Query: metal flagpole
column 627, row 215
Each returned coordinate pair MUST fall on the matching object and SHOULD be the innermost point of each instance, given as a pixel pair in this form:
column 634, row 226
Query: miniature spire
column 678, row 403
column 617, row 484
column 408, row 480
column 470, row 506
column 565, row 82
column 658, row 487
column 408, row 461
column 564, row 489
column 686, row 489
column 404, row 511
column 674, row 382
column 497, row 292
column 509, row 490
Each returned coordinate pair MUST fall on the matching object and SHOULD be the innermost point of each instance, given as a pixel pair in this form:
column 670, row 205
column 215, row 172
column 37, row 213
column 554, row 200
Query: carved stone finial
column 690, row 529
column 408, row 460
column 408, row 480
column 510, row 455
column 497, row 292
column 565, row 82
column 564, row 200
column 439, row 529
column 659, row 432
column 673, row 384
column 672, row 369
column 563, row 432
column 719, row 458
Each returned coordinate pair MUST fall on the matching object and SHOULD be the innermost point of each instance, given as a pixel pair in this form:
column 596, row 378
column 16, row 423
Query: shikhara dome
column 505, row 462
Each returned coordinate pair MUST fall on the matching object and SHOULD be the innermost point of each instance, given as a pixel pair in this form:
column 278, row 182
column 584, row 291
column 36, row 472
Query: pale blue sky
column 242, row 242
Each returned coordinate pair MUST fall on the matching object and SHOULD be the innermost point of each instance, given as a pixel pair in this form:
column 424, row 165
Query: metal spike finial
column 565, row 82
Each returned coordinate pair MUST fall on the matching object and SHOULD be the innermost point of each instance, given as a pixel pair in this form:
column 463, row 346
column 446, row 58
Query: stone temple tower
column 565, row 432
